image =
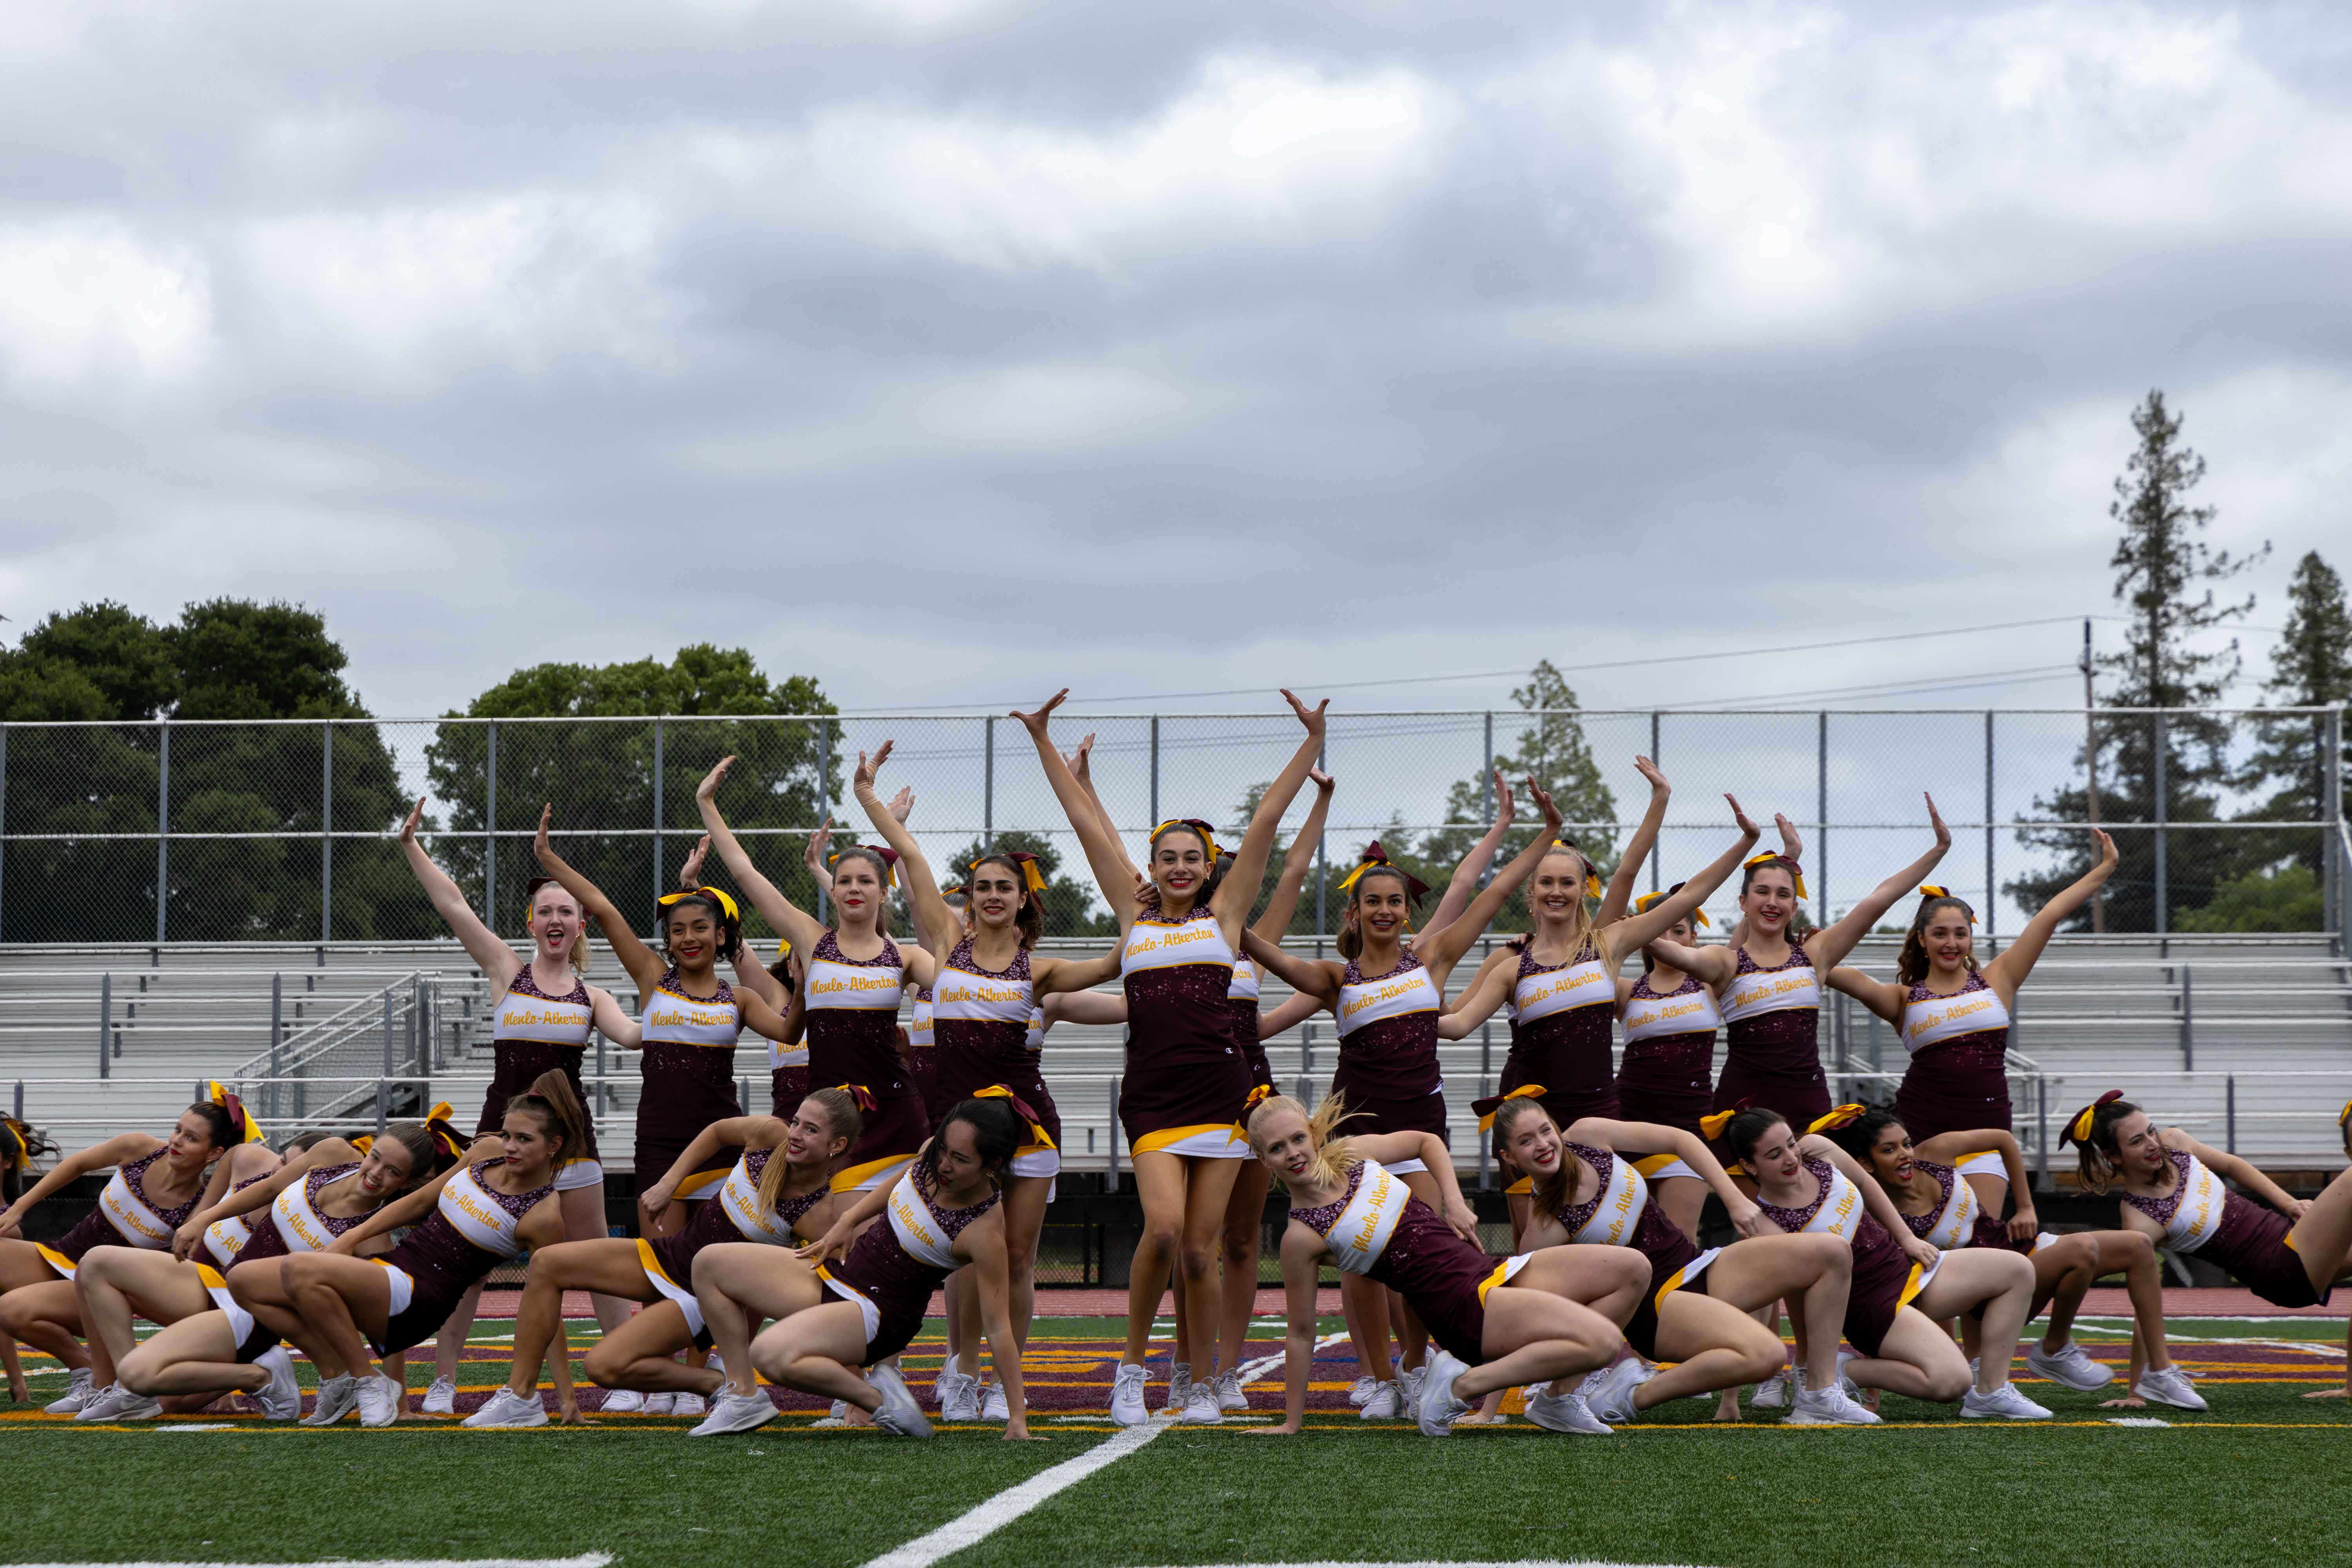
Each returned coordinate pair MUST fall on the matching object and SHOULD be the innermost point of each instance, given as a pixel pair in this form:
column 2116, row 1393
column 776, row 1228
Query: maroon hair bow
column 861, row 1096
column 1415, row 889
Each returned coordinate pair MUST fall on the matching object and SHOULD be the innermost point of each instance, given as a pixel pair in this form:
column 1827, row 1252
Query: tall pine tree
column 2166, row 573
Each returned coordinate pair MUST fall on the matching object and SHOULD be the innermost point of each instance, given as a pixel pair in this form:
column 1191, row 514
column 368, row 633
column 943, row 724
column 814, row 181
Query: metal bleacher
column 2245, row 1040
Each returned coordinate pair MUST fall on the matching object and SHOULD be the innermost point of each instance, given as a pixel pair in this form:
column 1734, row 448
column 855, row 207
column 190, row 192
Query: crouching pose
column 334, row 1305
column 944, row 1213
column 1555, row 1313
column 779, row 1185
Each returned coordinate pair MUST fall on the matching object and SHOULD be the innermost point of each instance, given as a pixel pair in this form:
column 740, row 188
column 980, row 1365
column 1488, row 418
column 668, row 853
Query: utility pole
column 2091, row 764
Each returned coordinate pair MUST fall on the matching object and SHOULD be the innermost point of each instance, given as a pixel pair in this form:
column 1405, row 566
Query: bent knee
column 1947, row 1384
column 602, row 1368
column 139, row 1373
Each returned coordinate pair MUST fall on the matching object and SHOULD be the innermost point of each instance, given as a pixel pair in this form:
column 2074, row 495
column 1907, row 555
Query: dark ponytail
column 1858, row 1136
column 997, row 1132
column 225, row 1131
column 1747, row 1129
column 550, row 1098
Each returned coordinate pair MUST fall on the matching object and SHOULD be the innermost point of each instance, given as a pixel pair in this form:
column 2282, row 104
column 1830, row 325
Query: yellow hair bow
column 1038, row 1136
column 1839, row 1116
column 2343, row 1115
column 1524, row 1091
column 1208, row 836
column 16, row 1147
column 1031, row 878
column 1931, row 891
column 1796, row 874
column 720, row 894
column 1713, row 1124
column 1642, row 905
column 236, row 1111
column 2079, row 1129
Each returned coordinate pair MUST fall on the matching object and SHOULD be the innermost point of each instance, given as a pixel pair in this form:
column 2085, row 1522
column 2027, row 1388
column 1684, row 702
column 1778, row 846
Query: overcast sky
column 951, row 351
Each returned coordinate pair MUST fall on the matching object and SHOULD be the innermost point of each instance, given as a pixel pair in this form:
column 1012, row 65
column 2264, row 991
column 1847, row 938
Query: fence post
column 824, row 796
column 1822, row 803
column 2232, row 1103
column 381, row 1086
column 660, row 886
column 987, row 785
column 105, row 1024
column 327, row 833
column 162, row 823
column 2188, row 1023
column 2163, row 891
column 277, row 1039
column 2041, row 1131
column 1992, row 888
column 1655, row 882
column 1155, row 770
column 1486, row 777
column 2338, row 879
column 491, row 825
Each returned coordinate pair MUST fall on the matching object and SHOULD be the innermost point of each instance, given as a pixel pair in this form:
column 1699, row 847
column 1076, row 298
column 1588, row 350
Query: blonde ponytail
column 1334, row 1156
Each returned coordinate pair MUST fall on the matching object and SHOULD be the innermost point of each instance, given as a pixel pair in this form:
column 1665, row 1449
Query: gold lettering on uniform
column 1201, row 931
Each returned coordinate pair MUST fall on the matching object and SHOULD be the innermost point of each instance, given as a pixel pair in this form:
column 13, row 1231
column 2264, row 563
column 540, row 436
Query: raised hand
column 902, row 804
column 1504, row 807
column 1936, row 820
column 1310, row 717
column 1793, row 842
column 415, row 816
column 2106, row 866
column 709, row 788
column 1544, row 803
column 1740, row 818
column 1323, row 781
column 862, row 781
column 817, row 841
column 1036, row 722
column 690, row 874
column 1649, row 770
column 1081, row 760
column 539, row 844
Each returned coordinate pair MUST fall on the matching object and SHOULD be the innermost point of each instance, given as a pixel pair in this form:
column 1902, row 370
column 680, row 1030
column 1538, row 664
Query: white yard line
column 977, row 1525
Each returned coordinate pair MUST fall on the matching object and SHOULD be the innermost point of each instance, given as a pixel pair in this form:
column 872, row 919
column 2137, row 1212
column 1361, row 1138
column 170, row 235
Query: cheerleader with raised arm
column 778, row 1190
column 1182, row 1095
column 1667, row 1076
column 1768, row 986
column 157, row 1182
column 1953, row 1015
column 1940, row 1205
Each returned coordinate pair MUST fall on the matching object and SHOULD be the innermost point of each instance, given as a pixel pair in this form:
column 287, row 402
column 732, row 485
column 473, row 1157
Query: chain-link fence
column 284, row 830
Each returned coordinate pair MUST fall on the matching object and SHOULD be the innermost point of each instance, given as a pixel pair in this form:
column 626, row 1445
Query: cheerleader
column 1953, row 1017
column 1527, row 1319
column 778, row 1189
column 156, row 1185
column 1587, row 1188
column 336, row 1305
column 1767, row 985
column 21, row 1144
column 1900, row 1283
column 2343, row 1131
column 1186, row 1081
column 209, row 1345
column 851, row 982
column 776, row 983
column 1942, row 1208
column 1666, row 1078
column 943, row 1214
column 2288, row 1252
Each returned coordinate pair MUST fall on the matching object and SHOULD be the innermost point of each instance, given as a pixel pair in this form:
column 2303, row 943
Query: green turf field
column 2265, row 1477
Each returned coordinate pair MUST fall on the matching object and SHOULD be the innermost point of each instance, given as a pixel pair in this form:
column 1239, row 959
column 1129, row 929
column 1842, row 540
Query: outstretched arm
column 2008, row 972
column 1081, row 764
column 644, row 966
column 1637, row 849
column 491, row 954
column 1284, row 903
column 1485, row 992
column 1238, row 892
column 1463, row 886
column 1441, row 948
column 1649, row 1138
column 1302, row 1257
column 1312, row 977
column 939, row 922
column 1883, row 997
column 781, row 913
column 1636, row 932
column 1829, row 945
column 119, row 1150
column 1114, row 874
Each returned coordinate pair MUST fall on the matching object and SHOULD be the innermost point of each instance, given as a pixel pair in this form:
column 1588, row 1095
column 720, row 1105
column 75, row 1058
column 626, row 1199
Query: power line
column 2024, row 677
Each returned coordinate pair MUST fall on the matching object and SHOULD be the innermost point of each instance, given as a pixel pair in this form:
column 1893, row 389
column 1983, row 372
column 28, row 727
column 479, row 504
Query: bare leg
column 1244, row 1233
column 18, row 1393
column 740, row 1285
column 1025, row 1222
column 583, row 1220
column 816, row 1350
column 455, row 1333
column 2342, row 1392
column 1714, row 1345
column 1160, row 1182
column 1815, row 1270
column 1208, row 1186
column 195, row 1355
column 1684, row 1198
column 341, row 1299
column 260, row 1289
column 642, row 1355
column 1916, row 1358
column 609, row 1266
column 2323, row 1236
column 1538, row 1327
column 1366, row 1307
column 2004, row 1283
column 47, row 1317
column 115, row 1284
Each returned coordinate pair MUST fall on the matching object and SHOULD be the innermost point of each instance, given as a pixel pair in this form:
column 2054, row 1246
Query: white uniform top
column 1841, row 1211
column 1620, row 1211
column 672, row 1019
column 739, row 1199
column 1765, row 991
column 1935, row 1019
column 480, row 1217
column 225, row 1238
column 859, row 986
column 1036, row 1039
column 921, row 1035
column 1389, row 996
column 1162, row 944
column 794, row 1055
column 1360, row 1234
column 1245, row 983
column 1691, row 1012
column 918, row 1230
column 1549, row 991
column 134, row 1218
column 964, row 996
column 300, row 1224
column 1956, row 1222
column 2198, row 1214
column 540, row 1020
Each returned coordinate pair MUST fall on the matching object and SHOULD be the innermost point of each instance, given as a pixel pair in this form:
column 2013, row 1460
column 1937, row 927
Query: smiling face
column 1534, row 1144
column 385, row 1168
column 1381, row 911
column 1891, row 1159
column 1774, row 1161
column 858, row 890
column 2138, row 1150
column 994, row 896
column 1769, row 900
column 1180, row 866
column 1286, row 1145
column 809, row 1138
column 692, row 934
column 1948, row 938
column 1555, row 892
column 555, row 922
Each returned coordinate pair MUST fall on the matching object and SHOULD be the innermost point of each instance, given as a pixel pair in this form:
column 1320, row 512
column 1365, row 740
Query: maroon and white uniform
column 1884, row 1277
column 893, row 1267
column 689, row 1064
column 295, row 1224
column 1186, row 1081
column 1772, row 1055
column 1668, row 1075
column 123, row 1218
column 225, row 1238
column 1958, row 1079
column 1377, row 1228
column 2249, row 1239
column 1563, row 1012
column 1242, row 994
column 1961, row 1219
column 922, row 1050
column 980, row 1020
column 1619, row 1213
column 1388, row 1070
column 853, row 1038
column 532, row 1033
column 734, row 1214
column 472, row 1230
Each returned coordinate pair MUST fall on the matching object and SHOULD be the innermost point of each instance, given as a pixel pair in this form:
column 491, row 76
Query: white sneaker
column 661, row 1403
column 959, row 1397
column 2070, row 1365
column 1829, row 1407
column 1409, row 1387
column 505, row 1408
column 1611, row 1399
column 1228, row 1392
column 441, row 1399
column 898, row 1414
column 379, row 1399
column 1126, row 1396
column 1565, row 1413
column 282, row 1399
column 1852, row 1389
column 1437, row 1409
column 688, row 1404
column 1386, row 1404
column 116, row 1403
column 336, row 1398
column 838, row 1415
column 622, row 1401
column 1180, row 1387
column 78, row 1393
column 1362, row 1389
column 733, row 1412
column 2004, row 1403
column 1200, row 1407
column 995, row 1407
column 716, row 1362
column 1771, row 1393
column 2169, row 1387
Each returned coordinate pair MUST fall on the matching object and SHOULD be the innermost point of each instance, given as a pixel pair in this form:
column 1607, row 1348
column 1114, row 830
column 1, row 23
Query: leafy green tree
column 601, row 779
column 2310, row 668
column 2165, row 574
column 2288, row 899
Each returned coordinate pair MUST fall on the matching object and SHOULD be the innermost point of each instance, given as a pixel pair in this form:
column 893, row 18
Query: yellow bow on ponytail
column 1839, row 1116
column 1713, row 1124
column 236, row 1111
column 1524, row 1091
column 1796, row 875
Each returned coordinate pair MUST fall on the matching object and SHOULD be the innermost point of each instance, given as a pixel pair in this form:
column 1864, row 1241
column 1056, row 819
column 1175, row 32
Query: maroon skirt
column 787, row 1087
column 1662, row 1241
column 1881, row 1272
column 1773, row 1063
column 687, row 1087
column 1664, row 1081
column 1245, row 1040
column 1370, row 1110
column 93, row 1229
column 1568, row 1056
column 515, row 1066
column 2251, row 1244
column 1956, row 1087
column 1439, row 1274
